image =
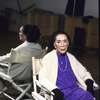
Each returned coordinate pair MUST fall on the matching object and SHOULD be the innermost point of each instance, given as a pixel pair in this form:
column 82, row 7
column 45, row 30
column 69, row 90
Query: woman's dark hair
column 32, row 33
column 53, row 37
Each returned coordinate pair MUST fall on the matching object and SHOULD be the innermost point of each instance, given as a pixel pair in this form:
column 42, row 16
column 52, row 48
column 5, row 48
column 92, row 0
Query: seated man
column 29, row 34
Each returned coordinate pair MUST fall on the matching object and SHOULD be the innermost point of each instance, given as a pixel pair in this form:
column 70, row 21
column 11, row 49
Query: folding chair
column 37, row 95
column 20, row 57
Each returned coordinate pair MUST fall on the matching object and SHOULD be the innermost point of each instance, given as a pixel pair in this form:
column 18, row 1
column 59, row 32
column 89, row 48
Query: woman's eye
column 65, row 41
column 58, row 41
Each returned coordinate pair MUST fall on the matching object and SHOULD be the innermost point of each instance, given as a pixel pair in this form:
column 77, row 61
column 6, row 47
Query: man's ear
column 25, row 36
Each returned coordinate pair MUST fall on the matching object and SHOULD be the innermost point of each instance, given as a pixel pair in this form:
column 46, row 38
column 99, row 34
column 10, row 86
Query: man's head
column 30, row 33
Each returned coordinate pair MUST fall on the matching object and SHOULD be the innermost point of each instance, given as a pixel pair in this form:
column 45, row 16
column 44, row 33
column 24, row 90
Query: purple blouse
column 67, row 82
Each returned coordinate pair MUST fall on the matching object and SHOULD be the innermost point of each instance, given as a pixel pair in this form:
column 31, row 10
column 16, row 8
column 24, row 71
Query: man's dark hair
column 32, row 33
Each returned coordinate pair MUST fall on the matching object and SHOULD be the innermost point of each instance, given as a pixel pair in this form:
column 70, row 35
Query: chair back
column 36, row 65
column 21, row 56
column 37, row 62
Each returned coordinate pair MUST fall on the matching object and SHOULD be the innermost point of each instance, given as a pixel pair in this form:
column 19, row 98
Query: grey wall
column 91, row 8
column 56, row 6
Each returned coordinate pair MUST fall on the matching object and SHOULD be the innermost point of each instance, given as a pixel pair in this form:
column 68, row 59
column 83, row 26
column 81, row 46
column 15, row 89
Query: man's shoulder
column 50, row 54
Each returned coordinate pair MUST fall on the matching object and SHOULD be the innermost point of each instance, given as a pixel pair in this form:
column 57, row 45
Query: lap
column 78, row 94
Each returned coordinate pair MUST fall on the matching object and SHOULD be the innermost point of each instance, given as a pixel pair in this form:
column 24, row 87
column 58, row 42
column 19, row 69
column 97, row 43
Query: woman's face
column 61, row 43
column 22, row 36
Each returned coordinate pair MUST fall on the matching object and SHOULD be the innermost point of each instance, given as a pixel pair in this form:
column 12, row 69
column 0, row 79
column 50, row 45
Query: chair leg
column 24, row 92
column 20, row 88
column 5, row 94
column 8, row 96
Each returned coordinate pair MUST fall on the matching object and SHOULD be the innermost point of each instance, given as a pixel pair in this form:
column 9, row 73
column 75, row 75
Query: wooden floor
column 90, row 59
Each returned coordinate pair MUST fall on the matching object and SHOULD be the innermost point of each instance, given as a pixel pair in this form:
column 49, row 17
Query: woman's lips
column 62, row 49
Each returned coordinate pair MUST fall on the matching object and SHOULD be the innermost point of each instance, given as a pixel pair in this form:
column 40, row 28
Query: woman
column 63, row 74
column 29, row 34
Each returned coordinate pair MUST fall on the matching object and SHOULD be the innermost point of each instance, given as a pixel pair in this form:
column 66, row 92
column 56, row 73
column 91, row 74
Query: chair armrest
column 4, row 65
column 44, row 88
column 96, row 86
column 5, row 77
column 37, row 96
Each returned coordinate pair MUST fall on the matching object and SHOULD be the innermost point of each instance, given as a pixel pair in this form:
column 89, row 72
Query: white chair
column 20, row 57
column 36, row 94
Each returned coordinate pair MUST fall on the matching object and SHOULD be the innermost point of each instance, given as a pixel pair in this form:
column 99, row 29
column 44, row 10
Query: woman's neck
column 61, row 53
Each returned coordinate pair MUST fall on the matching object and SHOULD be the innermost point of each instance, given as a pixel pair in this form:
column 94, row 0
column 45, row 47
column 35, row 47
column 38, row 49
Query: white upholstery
column 24, row 56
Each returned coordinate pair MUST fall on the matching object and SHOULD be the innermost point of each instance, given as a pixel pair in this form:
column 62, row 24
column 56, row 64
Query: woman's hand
column 58, row 94
column 89, row 84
